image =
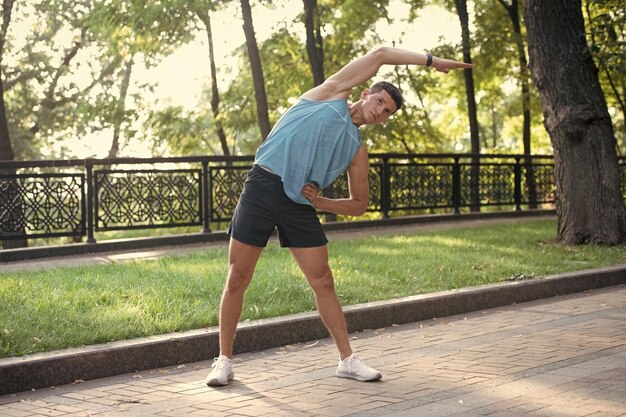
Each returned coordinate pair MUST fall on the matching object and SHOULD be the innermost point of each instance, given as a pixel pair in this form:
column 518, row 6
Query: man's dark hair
column 391, row 89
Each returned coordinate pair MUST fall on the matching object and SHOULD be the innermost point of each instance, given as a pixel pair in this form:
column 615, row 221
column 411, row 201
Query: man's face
column 377, row 107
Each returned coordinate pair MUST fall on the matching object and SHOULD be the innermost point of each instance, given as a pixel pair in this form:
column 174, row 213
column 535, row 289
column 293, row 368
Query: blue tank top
column 314, row 141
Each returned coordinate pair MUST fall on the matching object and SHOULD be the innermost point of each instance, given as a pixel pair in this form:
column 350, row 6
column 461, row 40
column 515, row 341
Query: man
column 314, row 141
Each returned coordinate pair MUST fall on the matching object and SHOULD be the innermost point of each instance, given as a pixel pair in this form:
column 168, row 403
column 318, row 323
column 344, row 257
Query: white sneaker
column 352, row 367
column 222, row 372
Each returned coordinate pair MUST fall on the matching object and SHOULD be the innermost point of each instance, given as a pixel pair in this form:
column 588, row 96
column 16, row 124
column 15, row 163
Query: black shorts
column 264, row 206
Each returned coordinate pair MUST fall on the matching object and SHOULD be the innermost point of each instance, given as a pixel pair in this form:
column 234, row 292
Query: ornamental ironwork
column 496, row 183
column 375, row 179
column 38, row 205
column 544, row 182
column 420, row 186
column 339, row 187
column 225, row 183
column 622, row 166
column 147, row 198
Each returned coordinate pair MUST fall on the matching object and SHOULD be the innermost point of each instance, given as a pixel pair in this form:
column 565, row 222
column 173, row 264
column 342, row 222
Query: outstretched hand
column 445, row 65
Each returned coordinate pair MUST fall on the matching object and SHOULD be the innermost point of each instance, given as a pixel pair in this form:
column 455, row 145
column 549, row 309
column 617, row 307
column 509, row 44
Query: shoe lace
column 218, row 363
column 353, row 361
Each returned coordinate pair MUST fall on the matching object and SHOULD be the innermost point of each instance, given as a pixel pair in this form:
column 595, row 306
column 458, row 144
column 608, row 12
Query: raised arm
column 362, row 69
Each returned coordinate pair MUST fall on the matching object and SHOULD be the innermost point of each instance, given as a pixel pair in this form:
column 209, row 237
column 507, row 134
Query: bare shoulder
column 328, row 90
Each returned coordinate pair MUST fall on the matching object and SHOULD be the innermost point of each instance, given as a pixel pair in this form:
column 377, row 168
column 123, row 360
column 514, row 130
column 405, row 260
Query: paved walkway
column 564, row 356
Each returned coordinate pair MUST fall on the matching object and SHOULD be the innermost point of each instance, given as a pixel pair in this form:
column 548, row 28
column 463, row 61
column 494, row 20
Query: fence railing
column 78, row 198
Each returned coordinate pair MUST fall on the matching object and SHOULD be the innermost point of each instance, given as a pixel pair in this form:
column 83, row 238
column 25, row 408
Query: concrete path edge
column 73, row 365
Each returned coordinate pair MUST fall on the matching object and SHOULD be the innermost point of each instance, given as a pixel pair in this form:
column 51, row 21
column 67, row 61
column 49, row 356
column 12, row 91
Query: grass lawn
column 74, row 306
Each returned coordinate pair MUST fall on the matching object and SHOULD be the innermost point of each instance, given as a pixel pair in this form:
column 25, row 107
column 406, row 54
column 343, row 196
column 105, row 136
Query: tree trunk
column 257, row 70
column 524, row 77
column 621, row 101
column 48, row 103
column 461, row 9
column 10, row 200
column 314, row 45
column 589, row 201
column 11, row 212
column 215, row 94
column 315, row 50
column 6, row 150
column 121, row 110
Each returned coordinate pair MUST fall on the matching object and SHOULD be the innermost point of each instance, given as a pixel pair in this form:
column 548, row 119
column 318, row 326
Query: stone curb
column 98, row 361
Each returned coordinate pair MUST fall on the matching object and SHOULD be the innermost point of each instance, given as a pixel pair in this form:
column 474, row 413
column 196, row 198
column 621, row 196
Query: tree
column 461, row 9
column 6, row 150
column 144, row 30
column 156, row 29
column 120, row 110
column 287, row 75
column 180, row 132
column 10, row 199
column 314, row 40
column 607, row 36
column 512, row 9
column 202, row 12
column 589, row 201
column 36, row 92
column 257, row 70
column 59, row 86
column 352, row 30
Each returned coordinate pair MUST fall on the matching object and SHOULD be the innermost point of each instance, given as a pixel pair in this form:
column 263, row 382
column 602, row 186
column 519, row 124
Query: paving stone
column 564, row 356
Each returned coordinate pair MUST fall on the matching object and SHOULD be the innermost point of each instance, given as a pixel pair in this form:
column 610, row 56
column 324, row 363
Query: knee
column 323, row 282
column 237, row 281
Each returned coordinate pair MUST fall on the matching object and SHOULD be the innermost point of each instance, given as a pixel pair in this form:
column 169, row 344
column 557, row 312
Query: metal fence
column 80, row 197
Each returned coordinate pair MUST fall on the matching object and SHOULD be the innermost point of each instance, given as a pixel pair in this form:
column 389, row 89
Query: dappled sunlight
column 196, row 269
column 382, row 250
column 449, row 242
column 144, row 297
column 127, row 313
column 567, row 404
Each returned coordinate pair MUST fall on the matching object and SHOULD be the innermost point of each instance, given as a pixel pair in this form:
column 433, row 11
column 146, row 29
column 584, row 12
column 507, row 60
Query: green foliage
column 38, row 90
column 287, row 76
column 50, row 104
column 349, row 25
column 349, row 32
column 61, row 83
column 239, row 111
column 153, row 28
column 497, row 82
column 288, row 72
column 182, row 132
column 415, row 128
column 606, row 32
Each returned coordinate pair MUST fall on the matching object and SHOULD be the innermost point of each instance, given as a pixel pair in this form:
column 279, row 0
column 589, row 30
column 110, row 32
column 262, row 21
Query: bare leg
column 242, row 259
column 314, row 264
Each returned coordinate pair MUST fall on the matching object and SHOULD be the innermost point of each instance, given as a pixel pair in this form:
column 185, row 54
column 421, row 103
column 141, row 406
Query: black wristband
column 429, row 59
